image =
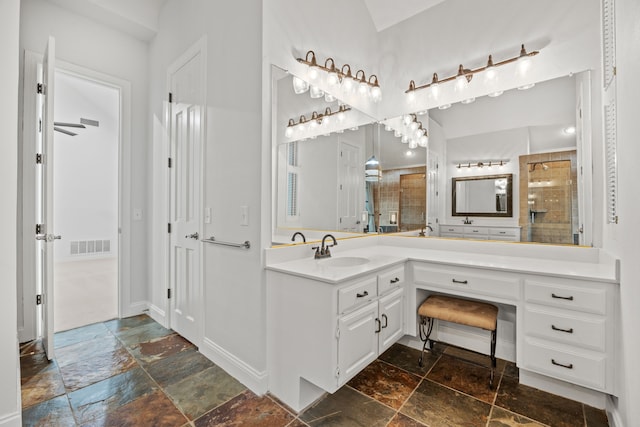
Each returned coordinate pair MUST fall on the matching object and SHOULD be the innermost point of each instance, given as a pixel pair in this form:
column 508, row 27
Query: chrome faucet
column 297, row 233
column 467, row 220
column 323, row 252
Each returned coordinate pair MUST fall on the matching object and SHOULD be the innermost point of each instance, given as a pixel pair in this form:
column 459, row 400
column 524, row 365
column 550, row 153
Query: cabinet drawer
column 465, row 280
column 587, row 297
column 582, row 330
column 459, row 229
column 503, row 232
column 583, row 368
column 390, row 280
column 454, row 235
column 476, row 231
column 356, row 294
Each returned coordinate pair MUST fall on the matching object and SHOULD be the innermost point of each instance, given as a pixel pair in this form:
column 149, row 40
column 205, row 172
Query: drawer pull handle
column 396, row 280
column 570, row 298
column 451, row 229
column 378, row 326
column 362, row 295
column 386, row 321
column 463, row 282
column 503, row 232
column 569, row 366
column 569, row 331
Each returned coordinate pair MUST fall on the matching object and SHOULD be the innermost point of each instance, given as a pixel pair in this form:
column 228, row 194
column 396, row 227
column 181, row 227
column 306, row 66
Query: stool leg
column 424, row 335
column 493, row 358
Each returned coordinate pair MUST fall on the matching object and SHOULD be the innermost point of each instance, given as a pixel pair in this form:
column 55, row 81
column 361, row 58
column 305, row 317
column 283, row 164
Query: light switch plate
column 244, row 215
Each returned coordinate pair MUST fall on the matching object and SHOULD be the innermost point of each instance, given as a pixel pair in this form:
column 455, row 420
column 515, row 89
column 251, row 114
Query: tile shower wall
column 388, row 198
column 552, row 198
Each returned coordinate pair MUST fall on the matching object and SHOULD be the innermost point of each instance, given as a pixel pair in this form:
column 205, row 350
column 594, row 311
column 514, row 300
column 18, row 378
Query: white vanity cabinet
column 320, row 335
column 568, row 330
column 481, row 232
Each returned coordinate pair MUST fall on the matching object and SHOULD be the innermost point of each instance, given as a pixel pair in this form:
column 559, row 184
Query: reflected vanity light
column 468, row 101
column 496, row 94
column 527, row 86
column 316, row 119
column 444, row 106
column 570, row 130
column 463, row 77
column 468, row 164
column 368, row 88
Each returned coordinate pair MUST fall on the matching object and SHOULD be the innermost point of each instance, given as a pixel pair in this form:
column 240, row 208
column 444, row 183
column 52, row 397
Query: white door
column 391, row 319
column 186, row 115
column 46, row 237
column 350, row 198
column 358, row 342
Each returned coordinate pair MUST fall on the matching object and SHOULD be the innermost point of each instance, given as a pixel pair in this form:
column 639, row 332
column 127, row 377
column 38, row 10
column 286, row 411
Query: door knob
column 48, row 237
column 192, row 236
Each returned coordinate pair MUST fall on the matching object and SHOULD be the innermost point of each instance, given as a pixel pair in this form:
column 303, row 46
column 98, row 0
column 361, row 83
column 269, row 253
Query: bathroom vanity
column 328, row 319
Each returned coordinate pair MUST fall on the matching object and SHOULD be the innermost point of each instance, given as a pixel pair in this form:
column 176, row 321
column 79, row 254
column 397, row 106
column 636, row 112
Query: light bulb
column 328, row 97
column 423, row 141
column 388, row 128
column 413, row 144
column 348, row 85
column 313, row 124
column 435, row 90
column 302, row 127
column 326, row 120
column 363, row 89
column 461, row 83
column 376, row 94
column 299, row 85
column 313, row 72
column 524, row 63
column 333, row 79
column 316, row 92
column 288, row 132
column 404, row 139
column 397, row 133
column 340, row 116
column 418, row 133
column 406, row 119
column 413, row 126
column 411, row 96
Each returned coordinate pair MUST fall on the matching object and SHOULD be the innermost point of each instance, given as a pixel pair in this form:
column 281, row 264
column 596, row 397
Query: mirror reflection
column 482, row 196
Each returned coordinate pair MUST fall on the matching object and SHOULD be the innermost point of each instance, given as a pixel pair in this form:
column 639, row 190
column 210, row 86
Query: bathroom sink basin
column 345, row 261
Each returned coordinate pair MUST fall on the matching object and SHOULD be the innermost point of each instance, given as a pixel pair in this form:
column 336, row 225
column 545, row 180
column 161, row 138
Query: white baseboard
column 590, row 397
column 255, row 380
column 134, row 309
column 613, row 414
column 158, row 314
column 11, row 420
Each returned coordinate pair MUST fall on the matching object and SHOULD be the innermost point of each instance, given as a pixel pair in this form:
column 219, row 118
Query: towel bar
column 213, row 240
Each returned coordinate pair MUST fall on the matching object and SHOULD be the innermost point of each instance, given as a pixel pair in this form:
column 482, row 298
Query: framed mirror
column 483, row 196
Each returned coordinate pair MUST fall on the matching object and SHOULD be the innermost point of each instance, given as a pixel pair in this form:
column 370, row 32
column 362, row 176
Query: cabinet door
column 391, row 315
column 357, row 342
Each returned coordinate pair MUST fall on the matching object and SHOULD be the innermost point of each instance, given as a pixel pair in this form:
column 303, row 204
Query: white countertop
column 383, row 256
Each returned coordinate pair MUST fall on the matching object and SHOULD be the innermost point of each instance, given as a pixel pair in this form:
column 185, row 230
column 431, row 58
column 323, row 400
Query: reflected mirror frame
column 508, row 213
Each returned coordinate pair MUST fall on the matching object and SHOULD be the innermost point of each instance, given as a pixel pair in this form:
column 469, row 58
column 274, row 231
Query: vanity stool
column 462, row 311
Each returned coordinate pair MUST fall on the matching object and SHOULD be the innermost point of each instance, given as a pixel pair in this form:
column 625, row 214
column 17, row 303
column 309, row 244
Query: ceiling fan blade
column 89, row 122
column 69, row 125
column 67, row 132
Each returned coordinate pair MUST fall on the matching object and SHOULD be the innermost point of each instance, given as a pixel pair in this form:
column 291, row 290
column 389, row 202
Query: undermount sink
column 345, row 261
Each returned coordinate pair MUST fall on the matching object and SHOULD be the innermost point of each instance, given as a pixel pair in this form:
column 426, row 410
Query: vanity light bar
column 468, row 74
column 480, row 163
column 316, row 118
column 337, row 75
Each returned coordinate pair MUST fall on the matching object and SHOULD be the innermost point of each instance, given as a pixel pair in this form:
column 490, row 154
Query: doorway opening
column 85, row 201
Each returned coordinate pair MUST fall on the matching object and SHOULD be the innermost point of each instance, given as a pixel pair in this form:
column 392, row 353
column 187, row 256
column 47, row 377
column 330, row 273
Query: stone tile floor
column 134, row 372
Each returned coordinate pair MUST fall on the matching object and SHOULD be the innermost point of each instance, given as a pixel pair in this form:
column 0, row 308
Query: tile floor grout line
column 409, row 398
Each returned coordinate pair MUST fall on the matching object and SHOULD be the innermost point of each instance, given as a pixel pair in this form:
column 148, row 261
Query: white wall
column 91, row 45
column 86, row 165
column 10, row 411
column 234, row 328
column 623, row 239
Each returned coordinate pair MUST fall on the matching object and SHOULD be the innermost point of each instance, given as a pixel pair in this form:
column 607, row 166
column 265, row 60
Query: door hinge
column 39, row 228
column 39, row 125
column 169, row 162
column 169, row 228
column 40, row 88
column 39, row 299
column 170, row 97
column 338, row 333
column 39, row 159
column 169, row 293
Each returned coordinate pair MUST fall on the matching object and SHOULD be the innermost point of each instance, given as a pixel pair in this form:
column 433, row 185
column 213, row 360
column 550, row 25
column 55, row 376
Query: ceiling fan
column 58, row 126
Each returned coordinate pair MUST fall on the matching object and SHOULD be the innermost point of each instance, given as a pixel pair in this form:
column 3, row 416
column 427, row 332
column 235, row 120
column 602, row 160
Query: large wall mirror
column 321, row 184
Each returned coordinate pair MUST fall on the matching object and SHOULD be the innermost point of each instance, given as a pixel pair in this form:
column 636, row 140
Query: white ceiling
column 385, row 13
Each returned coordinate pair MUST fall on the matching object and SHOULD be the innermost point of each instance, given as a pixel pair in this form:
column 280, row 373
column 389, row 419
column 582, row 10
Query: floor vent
column 84, row 247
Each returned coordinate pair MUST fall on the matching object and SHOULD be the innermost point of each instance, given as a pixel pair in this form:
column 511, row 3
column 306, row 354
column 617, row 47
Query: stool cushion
column 457, row 310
